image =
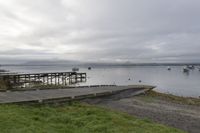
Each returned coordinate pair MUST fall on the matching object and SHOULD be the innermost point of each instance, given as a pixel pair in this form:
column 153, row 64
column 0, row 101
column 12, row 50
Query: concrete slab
column 68, row 93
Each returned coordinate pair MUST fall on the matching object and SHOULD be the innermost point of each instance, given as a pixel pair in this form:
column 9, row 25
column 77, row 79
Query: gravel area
column 182, row 116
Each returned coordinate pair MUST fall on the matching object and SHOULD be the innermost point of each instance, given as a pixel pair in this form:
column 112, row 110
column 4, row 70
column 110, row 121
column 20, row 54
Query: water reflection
column 186, row 73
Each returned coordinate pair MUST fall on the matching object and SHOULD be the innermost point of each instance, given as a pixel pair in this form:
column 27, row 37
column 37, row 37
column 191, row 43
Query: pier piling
column 57, row 78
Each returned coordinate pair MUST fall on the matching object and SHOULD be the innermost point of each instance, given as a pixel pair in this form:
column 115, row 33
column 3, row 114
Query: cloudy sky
column 100, row 30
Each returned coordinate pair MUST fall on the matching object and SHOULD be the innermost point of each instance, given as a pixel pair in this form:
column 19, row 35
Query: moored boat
column 1, row 70
column 185, row 69
column 190, row 67
column 75, row 69
column 168, row 68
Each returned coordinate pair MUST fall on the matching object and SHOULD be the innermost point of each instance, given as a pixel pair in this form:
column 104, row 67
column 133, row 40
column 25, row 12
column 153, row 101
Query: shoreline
column 179, row 112
column 173, row 98
column 165, row 109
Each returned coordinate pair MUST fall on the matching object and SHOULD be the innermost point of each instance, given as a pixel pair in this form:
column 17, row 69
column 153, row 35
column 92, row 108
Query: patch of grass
column 73, row 118
column 151, row 95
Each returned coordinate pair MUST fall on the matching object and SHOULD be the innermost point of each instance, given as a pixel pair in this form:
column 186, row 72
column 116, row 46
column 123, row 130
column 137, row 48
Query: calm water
column 174, row 81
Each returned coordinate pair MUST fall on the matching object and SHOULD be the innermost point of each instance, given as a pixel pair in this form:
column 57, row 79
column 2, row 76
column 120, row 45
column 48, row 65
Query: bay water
column 173, row 81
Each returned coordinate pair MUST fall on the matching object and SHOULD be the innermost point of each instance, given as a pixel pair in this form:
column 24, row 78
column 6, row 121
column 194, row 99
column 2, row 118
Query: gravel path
column 185, row 117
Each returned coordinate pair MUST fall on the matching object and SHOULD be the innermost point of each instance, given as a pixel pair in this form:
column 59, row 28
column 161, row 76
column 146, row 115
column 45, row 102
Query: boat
column 1, row 70
column 89, row 68
column 190, row 67
column 185, row 69
column 168, row 68
column 75, row 69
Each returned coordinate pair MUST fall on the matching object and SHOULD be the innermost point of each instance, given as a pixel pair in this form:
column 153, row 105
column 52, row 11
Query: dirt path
column 182, row 116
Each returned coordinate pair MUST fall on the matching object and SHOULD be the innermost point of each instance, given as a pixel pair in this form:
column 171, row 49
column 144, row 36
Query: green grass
column 153, row 95
column 73, row 118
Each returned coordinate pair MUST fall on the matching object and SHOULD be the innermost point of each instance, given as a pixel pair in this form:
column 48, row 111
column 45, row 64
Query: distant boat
column 75, row 69
column 168, row 68
column 185, row 69
column 3, row 71
column 190, row 67
column 89, row 68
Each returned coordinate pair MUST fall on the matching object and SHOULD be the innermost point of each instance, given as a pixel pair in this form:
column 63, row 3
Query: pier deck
column 53, row 95
column 55, row 78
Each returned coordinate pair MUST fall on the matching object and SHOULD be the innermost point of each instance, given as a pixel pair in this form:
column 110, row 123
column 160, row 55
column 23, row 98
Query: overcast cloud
column 100, row 30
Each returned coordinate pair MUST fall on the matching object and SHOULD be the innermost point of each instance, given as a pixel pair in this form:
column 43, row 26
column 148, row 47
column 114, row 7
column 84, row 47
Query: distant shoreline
column 104, row 64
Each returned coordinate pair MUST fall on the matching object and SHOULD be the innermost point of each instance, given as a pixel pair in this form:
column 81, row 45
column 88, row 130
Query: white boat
column 168, row 68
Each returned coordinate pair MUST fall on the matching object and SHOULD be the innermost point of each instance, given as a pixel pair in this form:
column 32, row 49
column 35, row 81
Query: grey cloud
column 106, row 30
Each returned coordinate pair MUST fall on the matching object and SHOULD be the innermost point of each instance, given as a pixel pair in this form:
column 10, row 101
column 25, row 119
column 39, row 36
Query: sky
column 135, row 31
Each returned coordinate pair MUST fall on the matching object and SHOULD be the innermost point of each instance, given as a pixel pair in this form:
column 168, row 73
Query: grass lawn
column 73, row 118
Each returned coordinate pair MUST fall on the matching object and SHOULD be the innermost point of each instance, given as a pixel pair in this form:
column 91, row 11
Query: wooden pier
column 56, row 78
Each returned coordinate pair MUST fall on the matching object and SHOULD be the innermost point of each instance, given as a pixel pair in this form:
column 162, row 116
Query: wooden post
column 29, row 78
column 70, row 78
column 55, row 79
column 47, row 79
column 51, row 79
column 65, row 78
column 76, row 78
column 58, row 79
column 18, row 79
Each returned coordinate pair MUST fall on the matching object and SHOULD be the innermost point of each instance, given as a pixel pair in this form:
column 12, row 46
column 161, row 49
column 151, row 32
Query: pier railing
column 55, row 78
